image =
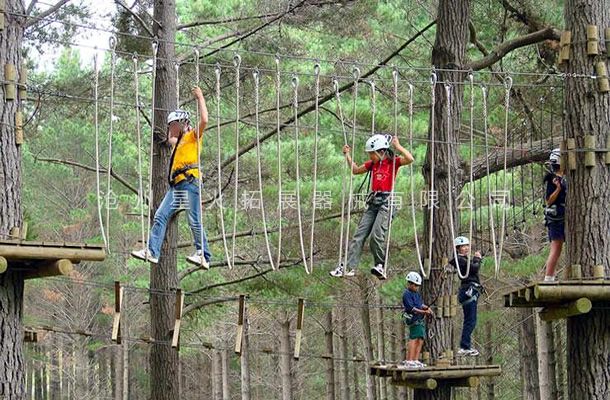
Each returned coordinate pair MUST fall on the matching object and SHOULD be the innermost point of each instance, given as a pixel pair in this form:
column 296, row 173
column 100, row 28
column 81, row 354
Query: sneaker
column 468, row 352
column 474, row 352
column 420, row 364
column 198, row 259
column 408, row 364
column 340, row 272
column 379, row 272
column 145, row 255
column 549, row 278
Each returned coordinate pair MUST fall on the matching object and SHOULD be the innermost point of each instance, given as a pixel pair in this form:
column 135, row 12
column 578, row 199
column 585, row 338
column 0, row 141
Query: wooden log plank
column 448, row 373
column 577, row 307
column 52, row 268
column 178, row 321
column 299, row 333
column 39, row 252
column 573, row 292
column 239, row 336
column 470, row 382
column 118, row 303
column 427, row 384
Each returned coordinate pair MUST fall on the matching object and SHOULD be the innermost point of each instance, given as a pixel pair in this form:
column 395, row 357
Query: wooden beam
column 572, row 292
column 577, row 307
column 3, row 265
column 19, row 252
column 177, row 322
column 427, row 384
column 450, row 373
column 239, row 337
column 470, row 382
column 51, row 268
column 118, row 303
column 299, row 333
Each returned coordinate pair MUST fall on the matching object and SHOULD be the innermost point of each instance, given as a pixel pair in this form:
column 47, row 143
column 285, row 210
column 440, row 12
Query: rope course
column 97, row 149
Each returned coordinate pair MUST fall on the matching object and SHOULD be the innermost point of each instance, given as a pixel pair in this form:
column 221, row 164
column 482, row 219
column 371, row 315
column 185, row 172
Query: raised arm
column 356, row 169
column 551, row 199
column 203, row 111
column 407, row 157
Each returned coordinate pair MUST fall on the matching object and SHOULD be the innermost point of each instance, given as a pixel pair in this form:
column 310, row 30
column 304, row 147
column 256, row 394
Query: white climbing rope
column 139, row 143
column 97, row 147
column 112, row 45
column 316, row 70
column 177, row 69
column 199, row 141
column 217, row 72
column 256, row 76
column 278, row 81
column 471, row 185
column 295, row 106
column 412, row 187
column 507, row 86
column 433, row 80
column 356, row 74
column 237, row 65
column 155, row 48
column 345, row 169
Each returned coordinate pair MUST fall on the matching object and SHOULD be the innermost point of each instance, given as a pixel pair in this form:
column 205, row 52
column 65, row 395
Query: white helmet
column 414, row 277
column 178, row 115
column 460, row 241
column 555, row 156
column 377, row 142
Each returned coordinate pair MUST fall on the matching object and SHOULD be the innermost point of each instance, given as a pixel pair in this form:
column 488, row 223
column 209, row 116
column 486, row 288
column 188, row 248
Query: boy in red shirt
column 383, row 166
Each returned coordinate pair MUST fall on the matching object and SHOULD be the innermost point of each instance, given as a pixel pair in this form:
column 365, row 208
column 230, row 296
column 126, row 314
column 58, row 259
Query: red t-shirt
column 382, row 176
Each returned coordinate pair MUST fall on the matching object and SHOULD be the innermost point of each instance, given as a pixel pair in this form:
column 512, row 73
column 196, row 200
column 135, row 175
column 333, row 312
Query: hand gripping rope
column 199, row 140
column 356, row 74
column 295, row 106
column 256, row 76
column 217, row 72
column 97, row 146
column 237, row 65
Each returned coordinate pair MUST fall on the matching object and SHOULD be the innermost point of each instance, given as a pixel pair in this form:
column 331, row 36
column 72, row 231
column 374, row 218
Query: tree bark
column 586, row 112
column 489, row 349
column 366, row 291
column 164, row 360
column 344, row 374
column 125, row 372
column 216, row 375
column 330, row 363
column 528, row 354
column 448, row 53
column 383, row 390
column 225, row 374
column 546, row 359
column 561, row 359
column 285, row 360
column 355, row 373
column 12, row 373
column 245, row 365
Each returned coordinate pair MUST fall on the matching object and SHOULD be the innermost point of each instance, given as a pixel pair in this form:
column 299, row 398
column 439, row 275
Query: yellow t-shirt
column 184, row 154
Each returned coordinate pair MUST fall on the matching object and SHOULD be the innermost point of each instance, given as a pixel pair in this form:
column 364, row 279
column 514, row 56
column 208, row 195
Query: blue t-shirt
column 550, row 188
column 412, row 300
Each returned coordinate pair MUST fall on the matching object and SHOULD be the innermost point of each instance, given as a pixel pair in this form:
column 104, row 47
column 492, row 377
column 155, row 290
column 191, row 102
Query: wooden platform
column 41, row 259
column 561, row 299
column 431, row 377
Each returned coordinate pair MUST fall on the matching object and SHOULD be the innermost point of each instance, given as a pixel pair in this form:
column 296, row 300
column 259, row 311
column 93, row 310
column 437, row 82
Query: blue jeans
column 185, row 195
column 470, row 318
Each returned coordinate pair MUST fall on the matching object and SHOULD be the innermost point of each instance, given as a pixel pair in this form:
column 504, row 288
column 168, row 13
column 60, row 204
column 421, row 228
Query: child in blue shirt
column 415, row 311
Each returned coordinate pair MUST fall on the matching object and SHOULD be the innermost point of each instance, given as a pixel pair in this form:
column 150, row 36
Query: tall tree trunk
column 489, row 349
column 355, row 373
column 366, row 290
column 402, row 328
column 116, row 372
column 448, row 53
column 330, row 362
column 164, row 362
column 587, row 214
column 245, row 364
column 344, row 374
column 561, row 359
column 285, row 360
column 125, row 351
column 225, row 374
column 54, row 384
column 396, row 354
column 546, row 359
column 12, row 374
column 529, row 359
column 383, row 390
column 216, row 375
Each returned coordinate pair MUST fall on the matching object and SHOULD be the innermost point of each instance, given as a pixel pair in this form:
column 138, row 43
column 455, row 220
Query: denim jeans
column 374, row 222
column 185, row 195
column 470, row 318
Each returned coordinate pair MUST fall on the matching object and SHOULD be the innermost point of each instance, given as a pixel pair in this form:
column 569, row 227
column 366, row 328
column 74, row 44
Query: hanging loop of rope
column 356, row 74
column 256, row 77
column 373, row 105
column 155, row 49
column 199, row 139
column 97, row 145
column 412, row 186
column 344, row 169
column 278, row 129
column 314, row 197
column 217, row 73
column 109, row 193
column 237, row 65
column 471, row 181
column 139, row 143
column 295, row 106
column 432, row 193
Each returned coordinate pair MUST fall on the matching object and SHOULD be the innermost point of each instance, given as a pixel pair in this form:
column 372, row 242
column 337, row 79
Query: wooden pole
column 470, row 382
column 428, row 384
column 178, row 321
column 52, row 268
column 577, row 307
column 574, row 292
column 240, row 324
column 118, row 302
column 10, row 251
column 299, row 332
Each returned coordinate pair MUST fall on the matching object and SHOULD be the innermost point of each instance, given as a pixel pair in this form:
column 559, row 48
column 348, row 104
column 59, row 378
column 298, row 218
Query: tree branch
column 217, row 264
column 202, row 303
column 30, row 8
column 33, row 21
column 224, row 21
column 510, row 45
column 136, row 17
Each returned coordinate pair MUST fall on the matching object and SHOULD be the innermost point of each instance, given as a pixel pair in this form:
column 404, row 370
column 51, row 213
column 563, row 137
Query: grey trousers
column 374, row 222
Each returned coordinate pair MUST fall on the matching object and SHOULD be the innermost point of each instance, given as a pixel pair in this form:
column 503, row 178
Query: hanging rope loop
column 433, row 77
column 236, row 60
column 155, row 47
column 255, row 76
column 112, row 43
column 356, row 73
column 316, row 69
column 217, row 71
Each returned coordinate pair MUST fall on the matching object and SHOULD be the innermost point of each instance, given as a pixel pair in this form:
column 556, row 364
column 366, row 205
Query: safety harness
column 172, row 175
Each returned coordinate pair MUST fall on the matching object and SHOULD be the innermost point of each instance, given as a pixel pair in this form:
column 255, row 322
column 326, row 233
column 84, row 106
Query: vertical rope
column 316, row 70
column 155, row 48
column 139, row 142
column 356, row 74
column 278, row 128
column 295, row 106
column 97, row 146
column 237, row 64
column 489, row 201
column 471, row 185
column 433, row 80
column 199, row 141
column 412, row 186
column 391, row 205
column 344, row 170
column 177, row 68
column 507, row 86
column 255, row 75
column 112, row 43
column 217, row 72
